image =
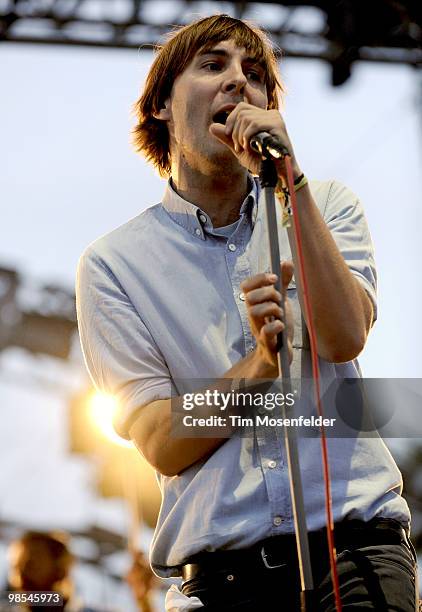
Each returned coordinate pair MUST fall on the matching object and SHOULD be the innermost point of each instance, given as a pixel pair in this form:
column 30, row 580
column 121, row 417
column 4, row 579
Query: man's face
column 213, row 83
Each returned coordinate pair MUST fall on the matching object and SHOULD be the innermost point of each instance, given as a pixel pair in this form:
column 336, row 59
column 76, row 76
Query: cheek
column 262, row 100
column 258, row 96
column 189, row 114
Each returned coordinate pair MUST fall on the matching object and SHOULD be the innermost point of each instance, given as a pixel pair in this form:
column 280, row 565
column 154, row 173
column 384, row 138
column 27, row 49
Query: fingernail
column 272, row 277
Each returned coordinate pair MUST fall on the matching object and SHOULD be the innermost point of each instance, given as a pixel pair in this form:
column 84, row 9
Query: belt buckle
column 264, row 560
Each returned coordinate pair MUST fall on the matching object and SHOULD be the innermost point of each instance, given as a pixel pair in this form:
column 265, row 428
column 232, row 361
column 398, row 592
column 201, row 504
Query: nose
column 235, row 80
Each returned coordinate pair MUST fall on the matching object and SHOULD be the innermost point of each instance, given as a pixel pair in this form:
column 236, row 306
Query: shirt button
column 232, row 247
column 272, row 464
column 277, row 520
column 198, row 231
column 242, row 297
column 203, row 218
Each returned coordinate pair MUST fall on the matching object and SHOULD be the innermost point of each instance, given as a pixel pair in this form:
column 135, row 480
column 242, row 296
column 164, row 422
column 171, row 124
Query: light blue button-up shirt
column 159, row 301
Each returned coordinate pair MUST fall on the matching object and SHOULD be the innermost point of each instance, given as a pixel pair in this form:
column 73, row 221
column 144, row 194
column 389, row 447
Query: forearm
column 152, row 431
column 341, row 309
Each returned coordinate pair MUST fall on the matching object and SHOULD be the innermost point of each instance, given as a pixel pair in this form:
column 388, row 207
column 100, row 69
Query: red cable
column 316, row 376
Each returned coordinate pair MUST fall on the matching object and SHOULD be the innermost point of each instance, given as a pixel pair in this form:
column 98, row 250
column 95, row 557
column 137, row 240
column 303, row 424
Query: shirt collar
column 194, row 219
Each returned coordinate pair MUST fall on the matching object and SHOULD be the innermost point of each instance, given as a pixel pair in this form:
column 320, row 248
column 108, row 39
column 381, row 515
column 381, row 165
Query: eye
column 254, row 76
column 212, row 66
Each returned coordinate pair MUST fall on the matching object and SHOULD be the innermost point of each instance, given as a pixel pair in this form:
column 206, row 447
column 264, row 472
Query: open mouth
column 221, row 117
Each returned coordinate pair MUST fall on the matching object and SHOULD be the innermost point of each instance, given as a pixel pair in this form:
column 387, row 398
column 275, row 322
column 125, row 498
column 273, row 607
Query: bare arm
column 151, row 432
column 342, row 310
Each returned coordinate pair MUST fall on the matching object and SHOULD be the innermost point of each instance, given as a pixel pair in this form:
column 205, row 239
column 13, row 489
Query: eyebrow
column 224, row 53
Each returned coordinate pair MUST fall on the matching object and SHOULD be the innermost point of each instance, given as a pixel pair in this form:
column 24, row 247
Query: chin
column 223, row 159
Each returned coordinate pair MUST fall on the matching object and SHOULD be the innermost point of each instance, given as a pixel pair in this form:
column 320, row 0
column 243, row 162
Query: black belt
column 278, row 551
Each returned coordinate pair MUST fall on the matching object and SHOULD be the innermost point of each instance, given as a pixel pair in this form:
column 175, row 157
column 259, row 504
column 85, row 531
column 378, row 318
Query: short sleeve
column 346, row 221
column 120, row 353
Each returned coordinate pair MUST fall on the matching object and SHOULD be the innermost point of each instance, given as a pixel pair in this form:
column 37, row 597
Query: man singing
column 184, row 291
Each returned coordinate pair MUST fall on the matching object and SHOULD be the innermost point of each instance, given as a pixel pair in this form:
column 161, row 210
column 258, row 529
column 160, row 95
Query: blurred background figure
column 42, row 562
column 142, row 582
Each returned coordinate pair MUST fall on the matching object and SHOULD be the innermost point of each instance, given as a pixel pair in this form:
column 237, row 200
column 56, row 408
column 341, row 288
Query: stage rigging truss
column 339, row 32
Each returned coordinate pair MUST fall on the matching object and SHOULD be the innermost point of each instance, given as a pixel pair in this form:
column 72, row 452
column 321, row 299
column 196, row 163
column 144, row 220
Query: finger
column 249, row 127
column 217, row 130
column 287, row 269
column 239, row 127
column 232, row 118
column 270, row 331
column 267, row 309
column 256, row 282
column 264, row 294
column 246, row 127
column 252, row 129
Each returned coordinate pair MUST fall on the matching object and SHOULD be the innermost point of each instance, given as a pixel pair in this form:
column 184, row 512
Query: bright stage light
column 102, row 408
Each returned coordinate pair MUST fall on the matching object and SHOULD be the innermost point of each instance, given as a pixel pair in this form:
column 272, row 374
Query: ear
column 164, row 112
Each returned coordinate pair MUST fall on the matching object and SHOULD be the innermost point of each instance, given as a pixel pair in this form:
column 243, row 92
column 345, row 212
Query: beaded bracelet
column 300, row 182
column 282, row 192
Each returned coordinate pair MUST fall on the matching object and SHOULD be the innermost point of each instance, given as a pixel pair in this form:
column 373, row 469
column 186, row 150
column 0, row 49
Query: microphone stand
column 268, row 179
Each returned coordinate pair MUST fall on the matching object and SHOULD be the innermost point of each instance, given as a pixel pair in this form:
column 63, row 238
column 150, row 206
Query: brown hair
column 150, row 135
column 54, row 547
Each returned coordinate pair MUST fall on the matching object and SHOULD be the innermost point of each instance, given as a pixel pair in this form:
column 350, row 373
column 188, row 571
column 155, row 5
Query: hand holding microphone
column 248, row 128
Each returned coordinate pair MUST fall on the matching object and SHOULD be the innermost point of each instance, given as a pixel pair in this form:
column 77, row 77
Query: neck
column 220, row 196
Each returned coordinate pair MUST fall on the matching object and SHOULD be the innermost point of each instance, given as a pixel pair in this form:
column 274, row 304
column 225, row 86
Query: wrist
column 282, row 190
column 281, row 170
column 262, row 368
column 297, row 172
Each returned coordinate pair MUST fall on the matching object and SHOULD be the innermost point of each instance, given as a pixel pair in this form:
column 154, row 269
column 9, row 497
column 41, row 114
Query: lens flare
column 102, row 409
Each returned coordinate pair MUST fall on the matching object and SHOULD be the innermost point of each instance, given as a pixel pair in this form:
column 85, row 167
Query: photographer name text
column 258, row 421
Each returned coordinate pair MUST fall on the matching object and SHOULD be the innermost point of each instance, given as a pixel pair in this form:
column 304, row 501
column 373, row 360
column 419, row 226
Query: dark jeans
column 380, row 577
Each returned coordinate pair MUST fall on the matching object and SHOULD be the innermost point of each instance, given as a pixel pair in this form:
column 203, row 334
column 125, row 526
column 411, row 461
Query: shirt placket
column 239, row 268
column 270, row 440
column 271, row 451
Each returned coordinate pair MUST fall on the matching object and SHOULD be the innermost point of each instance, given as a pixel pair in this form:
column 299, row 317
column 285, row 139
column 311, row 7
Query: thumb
column 218, row 130
column 286, row 269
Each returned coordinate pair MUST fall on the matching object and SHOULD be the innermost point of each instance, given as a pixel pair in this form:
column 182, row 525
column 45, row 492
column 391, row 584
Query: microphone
column 265, row 143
